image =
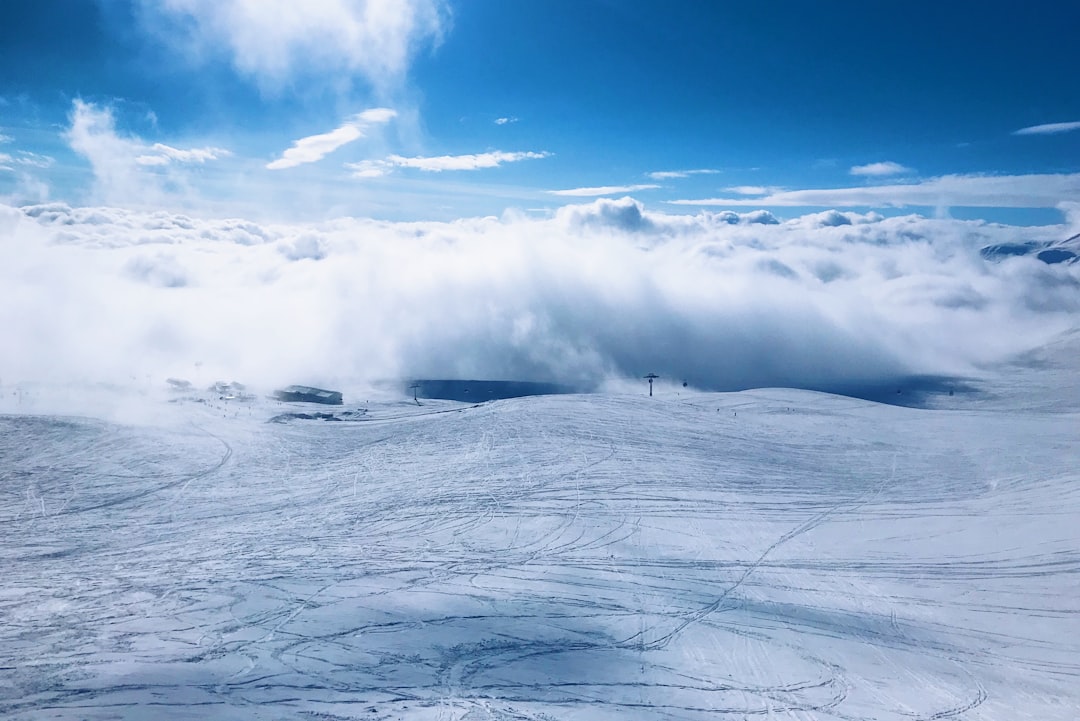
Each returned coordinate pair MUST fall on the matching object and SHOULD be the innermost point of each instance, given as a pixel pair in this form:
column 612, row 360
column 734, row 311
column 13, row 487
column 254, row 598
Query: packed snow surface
column 766, row 554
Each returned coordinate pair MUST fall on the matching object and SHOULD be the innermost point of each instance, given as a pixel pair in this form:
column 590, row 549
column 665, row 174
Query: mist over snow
column 597, row 291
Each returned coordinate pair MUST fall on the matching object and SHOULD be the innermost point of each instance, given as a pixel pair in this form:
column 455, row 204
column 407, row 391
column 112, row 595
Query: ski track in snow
column 574, row 557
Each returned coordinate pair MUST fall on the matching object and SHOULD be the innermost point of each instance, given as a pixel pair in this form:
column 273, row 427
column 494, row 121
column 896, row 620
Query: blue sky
column 421, row 109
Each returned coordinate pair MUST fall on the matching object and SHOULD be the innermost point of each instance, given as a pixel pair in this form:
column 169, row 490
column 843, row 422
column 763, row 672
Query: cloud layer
column 599, row 190
column 600, row 290
column 974, row 191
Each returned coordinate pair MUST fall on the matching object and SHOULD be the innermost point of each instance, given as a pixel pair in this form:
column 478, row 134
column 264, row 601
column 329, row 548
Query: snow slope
column 766, row 554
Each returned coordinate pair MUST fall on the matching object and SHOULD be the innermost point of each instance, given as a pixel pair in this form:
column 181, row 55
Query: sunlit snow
column 765, row 554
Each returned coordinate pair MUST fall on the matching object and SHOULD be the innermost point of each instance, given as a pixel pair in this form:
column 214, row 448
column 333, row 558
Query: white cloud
column 93, row 135
column 836, row 219
column 602, row 190
column 34, row 160
column 277, row 42
column 1049, row 128
column 126, row 168
column 674, row 174
column 377, row 115
column 5, row 138
column 629, row 215
column 161, row 154
column 439, row 163
column 505, row 121
column 316, row 147
column 975, row 191
column 876, row 170
column 754, row 217
column 625, row 214
column 604, row 288
column 752, row 189
column 25, row 159
column 370, row 168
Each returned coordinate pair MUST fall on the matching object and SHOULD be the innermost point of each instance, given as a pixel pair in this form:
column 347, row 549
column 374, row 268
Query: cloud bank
column 599, row 290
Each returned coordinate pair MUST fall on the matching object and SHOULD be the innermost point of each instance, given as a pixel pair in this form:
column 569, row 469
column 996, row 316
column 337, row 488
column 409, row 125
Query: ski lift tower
column 651, row 377
column 414, row 388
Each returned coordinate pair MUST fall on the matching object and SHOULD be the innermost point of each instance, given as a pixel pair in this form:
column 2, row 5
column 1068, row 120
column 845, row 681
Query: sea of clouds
column 594, row 292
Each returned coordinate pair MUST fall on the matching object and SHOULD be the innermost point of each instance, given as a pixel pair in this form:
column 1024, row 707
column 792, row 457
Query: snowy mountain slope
column 773, row 553
column 1049, row 252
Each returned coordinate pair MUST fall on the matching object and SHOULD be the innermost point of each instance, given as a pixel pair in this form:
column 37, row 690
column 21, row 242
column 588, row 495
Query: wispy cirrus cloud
column 882, row 169
column 676, row 174
column 314, row 148
column 161, row 154
column 25, row 159
column 505, row 121
column 34, row 160
column 440, row 163
column 1049, row 128
column 602, row 190
column 753, row 189
column 973, row 191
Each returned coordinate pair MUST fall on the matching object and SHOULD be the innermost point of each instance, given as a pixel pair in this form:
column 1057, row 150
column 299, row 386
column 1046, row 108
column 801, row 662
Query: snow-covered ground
column 765, row 554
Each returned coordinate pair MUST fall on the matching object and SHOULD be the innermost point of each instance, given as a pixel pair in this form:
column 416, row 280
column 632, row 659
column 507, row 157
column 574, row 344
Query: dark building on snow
column 307, row 394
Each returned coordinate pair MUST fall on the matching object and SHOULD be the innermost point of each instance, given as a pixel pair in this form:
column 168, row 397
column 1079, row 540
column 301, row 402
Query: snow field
column 765, row 554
